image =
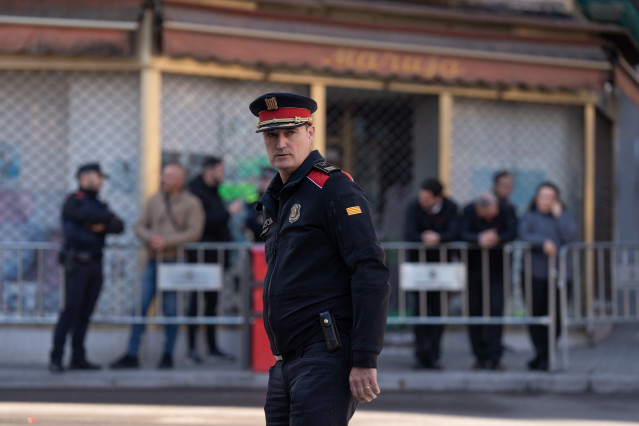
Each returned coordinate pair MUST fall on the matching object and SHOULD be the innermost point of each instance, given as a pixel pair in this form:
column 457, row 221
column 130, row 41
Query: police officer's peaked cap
column 282, row 111
column 90, row 167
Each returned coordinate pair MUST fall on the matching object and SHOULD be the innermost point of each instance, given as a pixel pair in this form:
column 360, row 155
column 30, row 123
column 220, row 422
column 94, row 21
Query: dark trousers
column 310, row 388
column 83, row 281
column 428, row 337
column 486, row 339
column 539, row 333
column 210, row 310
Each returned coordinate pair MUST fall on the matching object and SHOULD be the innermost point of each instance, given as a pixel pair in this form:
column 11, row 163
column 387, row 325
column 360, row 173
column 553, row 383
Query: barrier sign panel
column 414, row 276
column 190, row 277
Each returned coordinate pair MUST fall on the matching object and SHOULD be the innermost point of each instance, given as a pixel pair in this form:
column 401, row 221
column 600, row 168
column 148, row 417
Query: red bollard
column 261, row 356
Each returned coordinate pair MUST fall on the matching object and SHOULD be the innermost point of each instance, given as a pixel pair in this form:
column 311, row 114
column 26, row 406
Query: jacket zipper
column 268, row 297
column 270, row 279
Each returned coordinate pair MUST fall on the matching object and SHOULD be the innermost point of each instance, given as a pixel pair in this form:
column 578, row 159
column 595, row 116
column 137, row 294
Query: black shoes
column 55, row 366
column 166, row 362
column 428, row 364
column 488, row 364
column 538, row 364
column 126, row 362
column 216, row 353
column 131, row 362
column 83, row 365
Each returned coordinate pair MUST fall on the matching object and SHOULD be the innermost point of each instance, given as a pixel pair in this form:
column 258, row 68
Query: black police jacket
column 80, row 211
column 505, row 224
column 322, row 254
column 216, row 224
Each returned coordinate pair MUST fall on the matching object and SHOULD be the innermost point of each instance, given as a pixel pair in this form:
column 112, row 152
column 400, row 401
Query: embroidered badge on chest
column 295, row 213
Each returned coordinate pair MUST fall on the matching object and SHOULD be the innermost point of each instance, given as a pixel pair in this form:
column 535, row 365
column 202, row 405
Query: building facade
column 406, row 90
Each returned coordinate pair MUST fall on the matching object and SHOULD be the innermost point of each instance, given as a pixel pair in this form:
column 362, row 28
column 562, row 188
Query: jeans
column 310, row 388
column 169, row 309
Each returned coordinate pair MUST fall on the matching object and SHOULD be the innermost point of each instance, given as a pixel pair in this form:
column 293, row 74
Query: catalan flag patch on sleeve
column 353, row 210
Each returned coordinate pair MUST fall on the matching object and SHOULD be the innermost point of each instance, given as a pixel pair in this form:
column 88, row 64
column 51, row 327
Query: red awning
column 374, row 50
column 65, row 41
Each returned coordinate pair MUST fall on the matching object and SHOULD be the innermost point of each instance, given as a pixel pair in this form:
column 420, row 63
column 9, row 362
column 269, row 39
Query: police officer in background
column 86, row 220
column 431, row 219
column 327, row 286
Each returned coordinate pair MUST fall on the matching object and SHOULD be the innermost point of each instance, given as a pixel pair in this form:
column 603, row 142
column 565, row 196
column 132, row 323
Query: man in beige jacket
column 170, row 218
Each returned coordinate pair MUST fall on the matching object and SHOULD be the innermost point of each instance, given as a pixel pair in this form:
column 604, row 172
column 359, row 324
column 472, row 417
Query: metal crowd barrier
column 599, row 284
column 516, row 284
column 31, row 285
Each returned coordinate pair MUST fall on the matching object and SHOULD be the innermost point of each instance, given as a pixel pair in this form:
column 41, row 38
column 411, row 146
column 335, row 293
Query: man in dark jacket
column 216, row 229
column 489, row 224
column 503, row 185
column 327, row 286
column 254, row 218
column 86, row 220
column 431, row 219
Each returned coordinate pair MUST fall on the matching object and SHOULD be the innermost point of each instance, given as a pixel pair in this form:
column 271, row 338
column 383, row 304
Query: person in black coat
column 216, row 229
column 86, row 220
column 431, row 219
column 489, row 224
column 254, row 218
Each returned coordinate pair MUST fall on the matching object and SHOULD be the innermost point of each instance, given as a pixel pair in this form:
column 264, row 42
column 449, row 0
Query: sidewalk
column 611, row 366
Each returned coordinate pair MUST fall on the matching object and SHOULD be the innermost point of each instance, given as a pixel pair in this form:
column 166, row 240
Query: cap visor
column 279, row 126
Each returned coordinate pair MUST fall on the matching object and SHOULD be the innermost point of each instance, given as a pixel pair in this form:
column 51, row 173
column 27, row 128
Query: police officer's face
column 91, row 180
column 288, row 148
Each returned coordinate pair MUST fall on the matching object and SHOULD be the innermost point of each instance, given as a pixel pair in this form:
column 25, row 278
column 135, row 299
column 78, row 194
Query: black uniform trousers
column 210, row 310
column 83, row 281
column 310, row 387
column 486, row 339
column 428, row 337
column 539, row 333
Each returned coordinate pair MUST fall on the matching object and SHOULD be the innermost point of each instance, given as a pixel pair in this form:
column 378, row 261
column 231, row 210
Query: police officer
column 327, row 287
column 86, row 220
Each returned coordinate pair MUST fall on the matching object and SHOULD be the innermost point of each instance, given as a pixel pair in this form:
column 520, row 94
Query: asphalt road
column 152, row 407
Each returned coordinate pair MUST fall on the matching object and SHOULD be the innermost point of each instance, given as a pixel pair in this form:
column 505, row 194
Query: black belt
column 299, row 349
column 83, row 256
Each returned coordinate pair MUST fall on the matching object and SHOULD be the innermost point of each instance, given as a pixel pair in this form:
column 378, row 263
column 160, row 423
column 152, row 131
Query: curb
column 497, row 382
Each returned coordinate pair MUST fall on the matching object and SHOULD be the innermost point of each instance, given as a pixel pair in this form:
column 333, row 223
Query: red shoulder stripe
column 349, row 176
column 318, row 178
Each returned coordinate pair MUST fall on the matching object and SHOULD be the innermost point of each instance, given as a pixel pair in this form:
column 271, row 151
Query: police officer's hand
column 363, row 383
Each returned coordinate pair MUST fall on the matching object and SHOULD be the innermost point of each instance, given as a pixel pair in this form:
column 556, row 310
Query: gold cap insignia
column 271, row 103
